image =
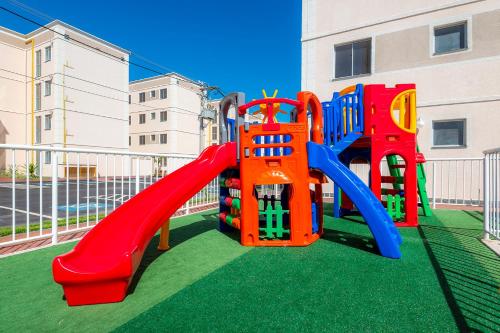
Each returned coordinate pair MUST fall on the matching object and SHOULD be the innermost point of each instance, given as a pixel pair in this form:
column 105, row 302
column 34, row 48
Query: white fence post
column 54, row 197
column 486, row 197
column 433, row 185
column 137, row 176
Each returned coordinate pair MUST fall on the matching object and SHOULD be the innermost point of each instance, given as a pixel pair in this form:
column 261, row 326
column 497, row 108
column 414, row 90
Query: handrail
column 344, row 114
column 492, row 151
column 91, row 151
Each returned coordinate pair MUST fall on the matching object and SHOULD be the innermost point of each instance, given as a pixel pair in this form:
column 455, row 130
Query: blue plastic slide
column 380, row 223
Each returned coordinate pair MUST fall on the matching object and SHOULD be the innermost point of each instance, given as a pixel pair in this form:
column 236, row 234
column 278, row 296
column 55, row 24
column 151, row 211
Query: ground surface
column 447, row 281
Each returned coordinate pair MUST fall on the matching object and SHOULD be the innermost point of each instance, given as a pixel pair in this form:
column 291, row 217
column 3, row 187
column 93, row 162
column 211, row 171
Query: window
column 142, row 97
column 48, row 157
column 48, row 53
column 48, row 87
column 152, row 93
column 38, row 129
column 38, row 62
column 129, row 140
column 163, row 116
column 48, row 122
column 142, row 119
column 129, row 120
column 214, row 133
column 163, row 93
column 450, row 38
column 153, row 115
column 353, row 59
column 38, row 96
column 142, row 140
column 153, row 138
column 163, row 139
column 448, row 133
column 129, row 99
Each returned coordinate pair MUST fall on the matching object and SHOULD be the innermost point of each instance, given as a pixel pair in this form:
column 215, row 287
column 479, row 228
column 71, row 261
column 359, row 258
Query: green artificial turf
column 447, row 281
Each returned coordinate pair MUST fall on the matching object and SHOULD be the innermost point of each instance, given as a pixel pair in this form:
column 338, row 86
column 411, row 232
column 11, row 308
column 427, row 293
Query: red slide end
column 101, row 266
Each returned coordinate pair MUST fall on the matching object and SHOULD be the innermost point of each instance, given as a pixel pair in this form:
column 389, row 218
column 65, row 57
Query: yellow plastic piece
column 347, row 90
column 406, row 103
column 263, row 108
column 164, row 236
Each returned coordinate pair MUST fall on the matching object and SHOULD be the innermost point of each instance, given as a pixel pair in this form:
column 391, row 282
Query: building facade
column 54, row 91
column 165, row 115
column 450, row 49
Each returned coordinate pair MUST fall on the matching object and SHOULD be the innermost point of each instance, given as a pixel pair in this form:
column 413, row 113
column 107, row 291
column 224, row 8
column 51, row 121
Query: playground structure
column 369, row 124
column 296, row 157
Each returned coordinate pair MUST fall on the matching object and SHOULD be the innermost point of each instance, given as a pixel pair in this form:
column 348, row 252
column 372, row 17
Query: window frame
column 371, row 39
column 47, row 92
column 152, row 137
column 153, row 115
column 38, row 63
column 464, row 145
column 38, row 96
column 49, row 49
column 142, row 140
column 38, row 130
column 161, row 93
column 142, row 118
column 47, row 159
column 47, row 122
column 161, row 116
column 152, row 94
column 142, row 97
column 163, row 135
column 467, row 20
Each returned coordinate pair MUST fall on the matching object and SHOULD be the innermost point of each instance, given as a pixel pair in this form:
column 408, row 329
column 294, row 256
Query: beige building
column 165, row 115
column 54, row 91
column 449, row 48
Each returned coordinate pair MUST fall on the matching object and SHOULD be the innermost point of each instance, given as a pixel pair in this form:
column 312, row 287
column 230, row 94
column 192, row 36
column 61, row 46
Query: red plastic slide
column 101, row 266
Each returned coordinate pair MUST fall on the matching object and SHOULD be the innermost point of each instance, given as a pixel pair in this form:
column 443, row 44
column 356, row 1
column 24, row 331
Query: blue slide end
column 380, row 223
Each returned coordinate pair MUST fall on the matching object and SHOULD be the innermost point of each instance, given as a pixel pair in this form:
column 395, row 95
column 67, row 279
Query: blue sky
column 236, row 45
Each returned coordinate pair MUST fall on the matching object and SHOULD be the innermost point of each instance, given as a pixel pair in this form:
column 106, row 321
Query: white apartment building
column 165, row 115
column 62, row 87
column 449, row 48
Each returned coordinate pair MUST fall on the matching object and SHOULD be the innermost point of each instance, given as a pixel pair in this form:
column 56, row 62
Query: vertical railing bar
column 123, row 173
column 97, row 189
column 40, row 199
column 463, row 184
column 54, row 197
column 448, row 192
column 88, row 190
column 441, row 179
column 129, row 159
column 78, row 190
column 106, row 185
column 13, row 168
column 28, row 172
column 486, row 197
column 67, row 190
column 456, row 181
column 114, row 182
column 433, row 185
column 137, row 176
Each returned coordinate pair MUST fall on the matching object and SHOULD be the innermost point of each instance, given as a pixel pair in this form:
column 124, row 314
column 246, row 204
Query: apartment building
column 449, row 48
column 211, row 126
column 62, row 87
column 165, row 115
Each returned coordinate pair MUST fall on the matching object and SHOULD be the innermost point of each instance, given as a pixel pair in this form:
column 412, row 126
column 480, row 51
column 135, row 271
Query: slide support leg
column 164, row 236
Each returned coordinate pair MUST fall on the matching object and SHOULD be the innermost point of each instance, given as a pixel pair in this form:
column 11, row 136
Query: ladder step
column 392, row 180
column 390, row 191
column 398, row 166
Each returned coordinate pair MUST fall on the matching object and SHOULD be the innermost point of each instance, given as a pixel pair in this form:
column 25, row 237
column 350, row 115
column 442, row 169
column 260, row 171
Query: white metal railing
column 46, row 192
column 450, row 181
column 492, row 194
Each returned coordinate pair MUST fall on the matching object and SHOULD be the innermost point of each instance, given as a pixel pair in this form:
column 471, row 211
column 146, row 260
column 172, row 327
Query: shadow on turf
column 351, row 240
column 177, row 236
column 471, row 293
